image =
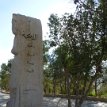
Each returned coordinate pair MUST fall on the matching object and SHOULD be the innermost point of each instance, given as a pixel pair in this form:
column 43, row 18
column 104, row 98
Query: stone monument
column 26, row 67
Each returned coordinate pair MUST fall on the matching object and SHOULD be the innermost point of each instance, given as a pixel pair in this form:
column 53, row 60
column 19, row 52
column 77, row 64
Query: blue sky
column 40, row 9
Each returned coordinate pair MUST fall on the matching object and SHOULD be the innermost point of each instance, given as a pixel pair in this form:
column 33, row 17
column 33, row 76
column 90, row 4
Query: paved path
column 3, row 99
column 54, row 102
column 57, row 102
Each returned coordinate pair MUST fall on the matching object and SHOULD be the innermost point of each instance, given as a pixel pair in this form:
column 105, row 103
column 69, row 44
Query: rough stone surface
column 26, row 67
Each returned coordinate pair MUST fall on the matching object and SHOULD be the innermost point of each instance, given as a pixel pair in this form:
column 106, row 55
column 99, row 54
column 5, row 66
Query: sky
column 40, row 9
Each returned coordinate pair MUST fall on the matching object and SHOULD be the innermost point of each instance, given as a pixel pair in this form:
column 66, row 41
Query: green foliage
column 45, row 51
column 79, row 44
column 5, row 76
column 103, row 91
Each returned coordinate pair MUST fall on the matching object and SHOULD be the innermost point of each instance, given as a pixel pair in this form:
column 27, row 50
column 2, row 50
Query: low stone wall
column 89, row 98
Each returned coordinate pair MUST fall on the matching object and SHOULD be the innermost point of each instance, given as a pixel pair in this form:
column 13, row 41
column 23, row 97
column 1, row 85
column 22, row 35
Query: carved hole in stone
column 30, row 70
column 30, row 54
column 29, row 62
column 30, row 45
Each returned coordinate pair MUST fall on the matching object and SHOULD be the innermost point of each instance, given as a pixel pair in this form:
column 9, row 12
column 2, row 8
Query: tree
column 46, row 81
column 85, row 35
column 79, row 43
column 59, row 62
column 4, row 76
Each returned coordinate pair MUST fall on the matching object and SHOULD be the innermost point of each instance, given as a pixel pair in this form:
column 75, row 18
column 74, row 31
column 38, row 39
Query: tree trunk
column 76, row 100
column 65, row 84
column 68, row 87
column 79, row 102
column 96, row 88
column 68, row 92
column 54, row 86
column 61, row 89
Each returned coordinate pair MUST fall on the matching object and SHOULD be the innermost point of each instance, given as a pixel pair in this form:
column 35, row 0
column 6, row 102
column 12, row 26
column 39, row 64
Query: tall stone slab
column 26, row 67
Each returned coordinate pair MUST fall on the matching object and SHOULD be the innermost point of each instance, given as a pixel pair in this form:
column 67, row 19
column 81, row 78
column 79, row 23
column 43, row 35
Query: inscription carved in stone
column 32, row 36
column 26, row 67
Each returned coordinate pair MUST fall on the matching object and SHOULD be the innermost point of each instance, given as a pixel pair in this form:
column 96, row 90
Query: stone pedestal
column 26, row 67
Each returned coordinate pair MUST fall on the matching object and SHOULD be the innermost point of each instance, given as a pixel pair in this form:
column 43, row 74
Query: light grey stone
column 26, row 67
